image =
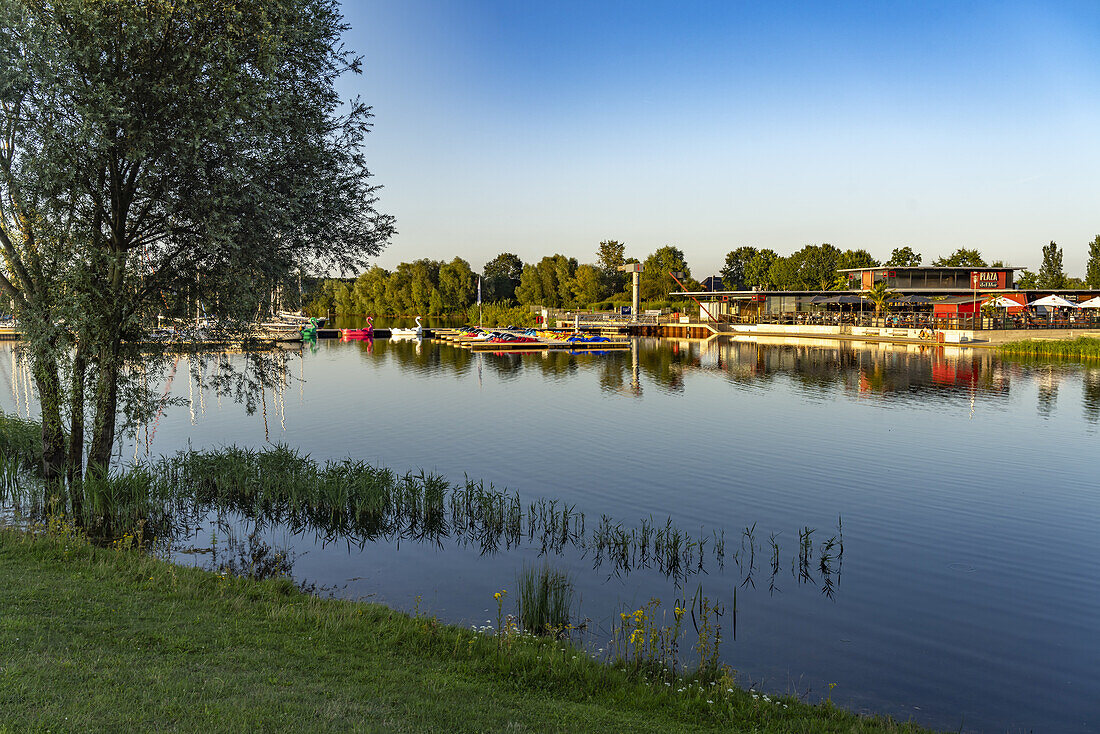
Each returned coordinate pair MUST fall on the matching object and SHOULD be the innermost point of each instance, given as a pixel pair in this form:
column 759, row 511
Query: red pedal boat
column 365, row 333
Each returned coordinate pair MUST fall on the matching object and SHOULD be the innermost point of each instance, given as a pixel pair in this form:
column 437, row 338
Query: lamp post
column 635, row 270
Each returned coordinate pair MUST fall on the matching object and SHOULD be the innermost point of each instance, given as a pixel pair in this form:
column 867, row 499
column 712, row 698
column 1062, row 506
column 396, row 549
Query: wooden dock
column 455, row 337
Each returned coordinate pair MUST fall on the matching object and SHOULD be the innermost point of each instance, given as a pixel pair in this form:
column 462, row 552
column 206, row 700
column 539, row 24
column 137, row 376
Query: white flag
column 479, row 291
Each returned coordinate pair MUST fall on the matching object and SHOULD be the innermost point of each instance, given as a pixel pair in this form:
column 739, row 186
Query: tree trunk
column 106, row 407
column 53, row 433
column 75, row 465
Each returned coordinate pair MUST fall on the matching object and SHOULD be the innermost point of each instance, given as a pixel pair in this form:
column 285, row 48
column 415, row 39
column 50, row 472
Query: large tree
column 655, row 282
column 548, row 283
column 370, row 291
column 733, row 272
column 610, row 255
column 456, row 285
column 817, row 265
column 1092, row 270
column 904, row 257
column 158, row 154
column 1051, row 274
column 783, row 273
column 758, row 269
column 1027, row 280
column 961, row 257
column 502, row 275
column 850, row 259
column 586, row 285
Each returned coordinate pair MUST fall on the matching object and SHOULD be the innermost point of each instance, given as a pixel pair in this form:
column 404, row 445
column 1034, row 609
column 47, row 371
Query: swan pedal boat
column 405, row 333
column 364, row 333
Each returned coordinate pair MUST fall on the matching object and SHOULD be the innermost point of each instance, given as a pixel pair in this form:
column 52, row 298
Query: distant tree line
column 1051, row 275
column 435, row 288
column 815, row 267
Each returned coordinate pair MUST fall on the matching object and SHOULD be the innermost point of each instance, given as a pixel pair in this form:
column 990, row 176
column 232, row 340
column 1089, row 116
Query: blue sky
column 542, row 128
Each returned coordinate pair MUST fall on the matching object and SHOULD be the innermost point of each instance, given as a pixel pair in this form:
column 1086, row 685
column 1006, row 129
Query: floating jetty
column 458, row 338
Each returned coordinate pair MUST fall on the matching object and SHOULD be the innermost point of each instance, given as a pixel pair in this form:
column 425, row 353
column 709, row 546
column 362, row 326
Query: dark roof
column 1031, row 293
column 982, row 295
column 848, row 300
column 997, row 268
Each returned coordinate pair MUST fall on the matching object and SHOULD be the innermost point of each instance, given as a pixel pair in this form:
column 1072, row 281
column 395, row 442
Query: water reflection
column 1092, row 395
column 354, row 503
column 965, row 487
column 817, row 369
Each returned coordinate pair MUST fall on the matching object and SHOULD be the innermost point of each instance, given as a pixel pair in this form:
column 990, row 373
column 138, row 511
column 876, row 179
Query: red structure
column 956, row 306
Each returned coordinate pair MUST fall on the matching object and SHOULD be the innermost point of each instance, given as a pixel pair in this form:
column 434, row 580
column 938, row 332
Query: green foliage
column 856, row 259
column 610, row 255
column 879, row 295
column 323, row 298
column 783, row 274
column 904, row 257
column 1092, row 270
column 158, row 155
column 1027, row 280
column 1051, row 274
column 758, row 269
column 586, row 284
column 811, row 268
column 422, row 287
column 457, row 286
column 500, row 314
column 20, row 442
column 814, row 267
column 733, row 272
column 548, row 283
column 502, row 275
column 817, row 265
column 655, row 281
column 961, row 257
column 370, row 293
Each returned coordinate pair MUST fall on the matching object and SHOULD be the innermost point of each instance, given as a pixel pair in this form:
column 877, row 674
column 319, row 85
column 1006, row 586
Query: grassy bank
column 114, row 639
column 1082, row 347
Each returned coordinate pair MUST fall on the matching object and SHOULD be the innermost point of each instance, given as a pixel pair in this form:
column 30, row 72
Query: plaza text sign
column 988, row 279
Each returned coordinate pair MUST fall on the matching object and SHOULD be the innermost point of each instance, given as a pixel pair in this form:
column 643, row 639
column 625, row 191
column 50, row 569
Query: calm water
column 967, row 594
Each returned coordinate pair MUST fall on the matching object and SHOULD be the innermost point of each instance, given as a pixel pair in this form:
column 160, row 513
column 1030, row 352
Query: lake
column 953, row 494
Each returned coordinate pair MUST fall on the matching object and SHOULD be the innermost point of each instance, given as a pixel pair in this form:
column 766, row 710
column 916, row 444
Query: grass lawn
column 103, row 639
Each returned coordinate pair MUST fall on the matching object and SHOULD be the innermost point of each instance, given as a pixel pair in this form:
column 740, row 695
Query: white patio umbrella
column 1091, row 303
column 1054, row 301
column 1002, row 302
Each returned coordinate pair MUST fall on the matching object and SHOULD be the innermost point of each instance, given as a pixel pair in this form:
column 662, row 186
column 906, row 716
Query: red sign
column 988, row 279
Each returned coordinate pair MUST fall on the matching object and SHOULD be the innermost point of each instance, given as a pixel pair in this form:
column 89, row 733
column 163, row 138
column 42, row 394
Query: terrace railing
column 923, row 320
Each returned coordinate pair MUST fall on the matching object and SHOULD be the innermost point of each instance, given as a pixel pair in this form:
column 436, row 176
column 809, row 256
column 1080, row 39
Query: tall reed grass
column 545, row 600
column 20, row 442
column 356, row 502
column 1082, row 347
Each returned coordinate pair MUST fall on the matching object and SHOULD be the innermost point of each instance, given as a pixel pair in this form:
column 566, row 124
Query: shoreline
column 110, row 638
